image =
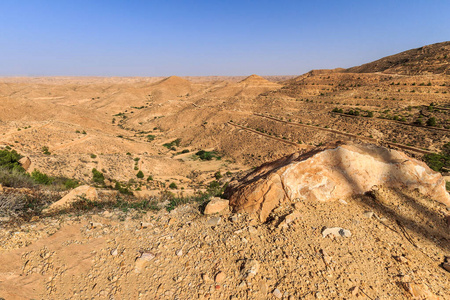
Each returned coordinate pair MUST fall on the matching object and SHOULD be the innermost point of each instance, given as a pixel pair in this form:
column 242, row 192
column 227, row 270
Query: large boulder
column 66, row 201
column 332, row 172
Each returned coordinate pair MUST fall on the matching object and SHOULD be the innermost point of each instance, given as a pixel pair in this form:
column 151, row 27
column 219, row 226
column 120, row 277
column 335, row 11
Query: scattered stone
column 214, row 221
column 336, row 232
column 252, row 230
column 289, row 219
column 94, row 225
column 326, row 258
column 263, row 287
column 446, row 266
column 179, row 252
column 148, row 256
column 354, row 290
column 368, row 214
column 250, row 269
column 234, row 218
column 216, row 205
column 419, row 291
column 145, row 225
column 277, row 293
column 142, row 261
column 342, row 201
column 220, row 277
column 205, row 277
column 1, row 188
column 114, row 252
column 401, row 259
column 217, row 287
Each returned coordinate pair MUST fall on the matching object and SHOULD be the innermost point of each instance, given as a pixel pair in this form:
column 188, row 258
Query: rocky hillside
column 431, row 59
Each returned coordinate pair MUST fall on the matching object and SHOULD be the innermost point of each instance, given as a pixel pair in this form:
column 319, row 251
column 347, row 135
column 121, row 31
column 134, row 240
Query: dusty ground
column 120, row 126
column 397, row 239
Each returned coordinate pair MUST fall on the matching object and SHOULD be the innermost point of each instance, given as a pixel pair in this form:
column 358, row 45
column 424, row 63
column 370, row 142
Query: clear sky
column 228, row 37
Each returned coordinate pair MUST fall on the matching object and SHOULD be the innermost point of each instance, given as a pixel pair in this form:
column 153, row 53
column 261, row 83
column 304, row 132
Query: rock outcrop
column 332, row 172
column 25, row 162
column 65, row 202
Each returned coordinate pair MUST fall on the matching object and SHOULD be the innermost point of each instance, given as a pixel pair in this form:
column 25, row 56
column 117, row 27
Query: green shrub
column 431, row 121
column 150, row 178
column 10, row 160
column 173, row 186
column 97, row 176
column 45, row 150
column 121, row 189
column 151, row 137
column 207, row 155
column 438, row 161
column 217, row 175
column 93, row 156
column 140, row 175
column 172, row 144
column 41, row 178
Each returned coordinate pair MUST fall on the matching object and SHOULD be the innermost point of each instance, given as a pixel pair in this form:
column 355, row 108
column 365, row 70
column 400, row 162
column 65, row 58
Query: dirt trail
column 395, row 122
column 269, row 136
column 363, row 138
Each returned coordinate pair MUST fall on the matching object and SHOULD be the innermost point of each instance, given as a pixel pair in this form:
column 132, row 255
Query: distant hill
column 431, row 59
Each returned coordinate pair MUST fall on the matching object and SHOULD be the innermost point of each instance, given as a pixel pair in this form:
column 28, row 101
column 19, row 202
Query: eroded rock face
column 335, row 171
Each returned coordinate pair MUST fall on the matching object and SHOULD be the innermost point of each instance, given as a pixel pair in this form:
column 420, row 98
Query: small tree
column 431, row 121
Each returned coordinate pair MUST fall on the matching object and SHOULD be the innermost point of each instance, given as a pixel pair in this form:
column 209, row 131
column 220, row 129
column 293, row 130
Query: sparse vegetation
column 439, row 161
column 45, row 150
column 207, row 155
column 172, row 144
column 98, row 176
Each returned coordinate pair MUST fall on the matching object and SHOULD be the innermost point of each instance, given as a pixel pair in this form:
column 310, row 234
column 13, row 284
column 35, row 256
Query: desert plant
column 217, row 175
column 431, row 121
column 97, row 176
column 45, row 150
column 41, row 178
column 140, row 175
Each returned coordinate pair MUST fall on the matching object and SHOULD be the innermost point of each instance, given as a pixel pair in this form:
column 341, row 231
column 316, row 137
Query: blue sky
column 163, row 38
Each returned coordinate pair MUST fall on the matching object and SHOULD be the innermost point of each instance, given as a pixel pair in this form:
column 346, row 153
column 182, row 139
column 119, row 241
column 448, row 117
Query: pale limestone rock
column 25, row 162
column 419, row 291
column 250, row 269
column 333, row 172
column 65, row 202
column 220, row 277
column 216, row 205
